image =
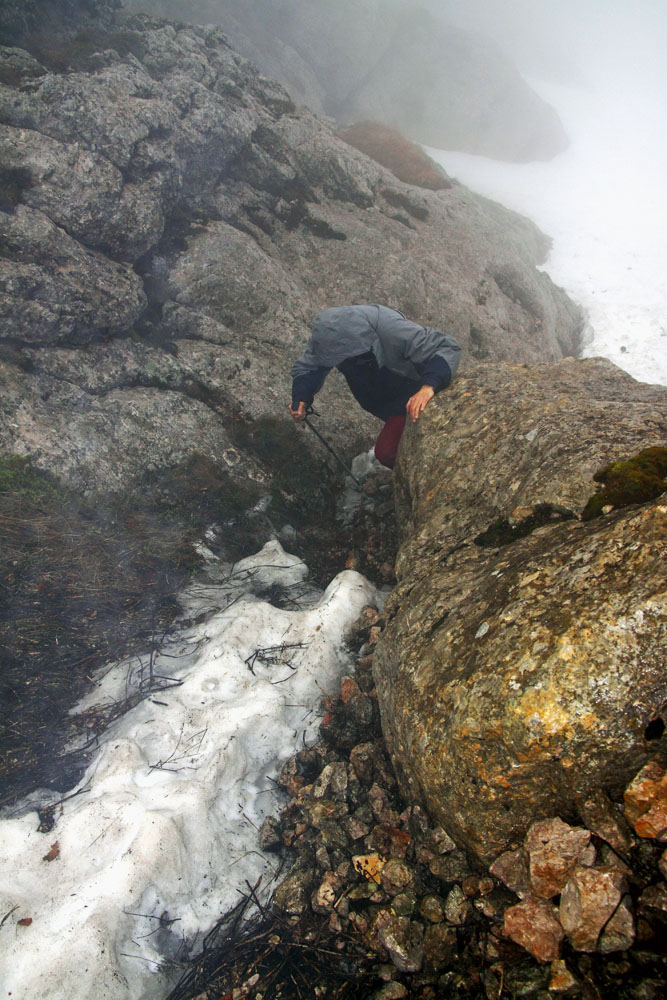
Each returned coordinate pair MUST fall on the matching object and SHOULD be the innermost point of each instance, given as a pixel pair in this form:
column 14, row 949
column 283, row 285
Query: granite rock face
column 523, row 662
column 20, row 19
column 388, row 61
column 169, row 225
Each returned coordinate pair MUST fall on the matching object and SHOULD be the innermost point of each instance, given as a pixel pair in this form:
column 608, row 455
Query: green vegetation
column 634, row 480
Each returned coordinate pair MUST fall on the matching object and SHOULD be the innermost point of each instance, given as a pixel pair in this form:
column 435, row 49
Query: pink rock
column 587, row 903
column 554, row 849
column 646, row 802
column 533, row 924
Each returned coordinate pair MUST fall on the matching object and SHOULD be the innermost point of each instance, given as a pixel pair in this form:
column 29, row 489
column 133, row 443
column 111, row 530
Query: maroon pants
column 386, row 445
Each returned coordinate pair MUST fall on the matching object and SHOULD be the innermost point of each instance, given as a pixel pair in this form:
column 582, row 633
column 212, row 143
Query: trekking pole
column 327, row 445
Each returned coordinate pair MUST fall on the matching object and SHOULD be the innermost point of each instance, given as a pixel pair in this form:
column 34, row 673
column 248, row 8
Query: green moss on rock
column 634, row 480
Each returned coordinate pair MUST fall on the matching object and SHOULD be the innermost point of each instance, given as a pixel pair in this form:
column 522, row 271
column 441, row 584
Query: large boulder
column 522, row 666
column 170, row 224
column 405, row 67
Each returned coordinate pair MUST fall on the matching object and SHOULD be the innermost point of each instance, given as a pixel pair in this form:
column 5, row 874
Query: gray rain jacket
column 344, row 332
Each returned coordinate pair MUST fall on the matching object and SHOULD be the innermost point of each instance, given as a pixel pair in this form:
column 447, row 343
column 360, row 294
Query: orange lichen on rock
column 646, row 802
column 405, row 159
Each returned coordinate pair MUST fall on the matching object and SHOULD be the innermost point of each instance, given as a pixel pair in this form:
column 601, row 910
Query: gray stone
column 292, row 896
column 440, row 946
column 396, row 876
column 401, row 938
column 269, row 834
column 173, row 225
column 431, row 908
column 512, row 869
column 457, row 907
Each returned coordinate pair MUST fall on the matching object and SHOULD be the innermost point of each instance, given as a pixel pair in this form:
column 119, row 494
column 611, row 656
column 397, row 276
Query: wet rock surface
column 521, row 672
column 170, row 224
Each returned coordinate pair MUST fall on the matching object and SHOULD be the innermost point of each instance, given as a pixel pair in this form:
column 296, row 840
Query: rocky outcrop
column 170, row 224
column 22, row 19
column 523, row 662
column 437, row 84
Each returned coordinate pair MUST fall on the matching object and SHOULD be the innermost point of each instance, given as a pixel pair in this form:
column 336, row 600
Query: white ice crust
column 163, row 835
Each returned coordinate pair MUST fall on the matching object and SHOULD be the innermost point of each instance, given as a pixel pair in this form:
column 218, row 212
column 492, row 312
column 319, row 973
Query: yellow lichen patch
column 544, row 714
column 369, row 865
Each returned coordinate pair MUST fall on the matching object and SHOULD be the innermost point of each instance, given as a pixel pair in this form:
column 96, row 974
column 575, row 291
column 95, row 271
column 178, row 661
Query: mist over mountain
column 388, row 60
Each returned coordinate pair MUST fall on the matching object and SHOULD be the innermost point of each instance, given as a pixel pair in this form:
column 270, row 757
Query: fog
column 601, row 65
column 572, row 41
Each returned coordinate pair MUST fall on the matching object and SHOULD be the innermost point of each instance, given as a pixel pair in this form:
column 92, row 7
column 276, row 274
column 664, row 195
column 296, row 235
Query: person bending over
column 392, row 366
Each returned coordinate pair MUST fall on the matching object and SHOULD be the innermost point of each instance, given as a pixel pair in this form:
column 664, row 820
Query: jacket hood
column 343, row 332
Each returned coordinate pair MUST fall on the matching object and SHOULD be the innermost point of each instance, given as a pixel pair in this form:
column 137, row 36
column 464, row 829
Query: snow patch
column 160, row 835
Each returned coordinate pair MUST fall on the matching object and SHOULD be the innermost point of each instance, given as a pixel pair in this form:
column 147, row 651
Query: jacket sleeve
column 435, row 355
column 307, row 379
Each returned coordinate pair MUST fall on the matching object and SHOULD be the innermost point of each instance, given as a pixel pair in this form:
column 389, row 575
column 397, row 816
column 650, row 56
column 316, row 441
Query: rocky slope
column 523, row 662
column 388, row 61
column 170, row 223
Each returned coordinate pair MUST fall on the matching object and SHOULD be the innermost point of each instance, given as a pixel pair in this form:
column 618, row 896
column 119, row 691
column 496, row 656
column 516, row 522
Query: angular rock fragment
column 533, row 924
column 653, row 901
column 589, row 899
column 270, row 837
column 389, row 840
column 457, row 907
column 331, row 783
column 324, row 897
column 453, row 867
column 395, row 876
column 619, row 933
column 554, row 849
column 440, row 946
column 512, row 869
column 401, row 938
column 646, row 802
column 600, row 817
column 293, row 894
column 561, row 979
column 431, row 908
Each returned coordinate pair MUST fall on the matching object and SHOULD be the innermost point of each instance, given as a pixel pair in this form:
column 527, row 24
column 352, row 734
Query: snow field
column 162, row 832
column 602, row 202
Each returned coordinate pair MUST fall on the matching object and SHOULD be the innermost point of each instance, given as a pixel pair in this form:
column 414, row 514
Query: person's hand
column 300, row 413
column 416, row 403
